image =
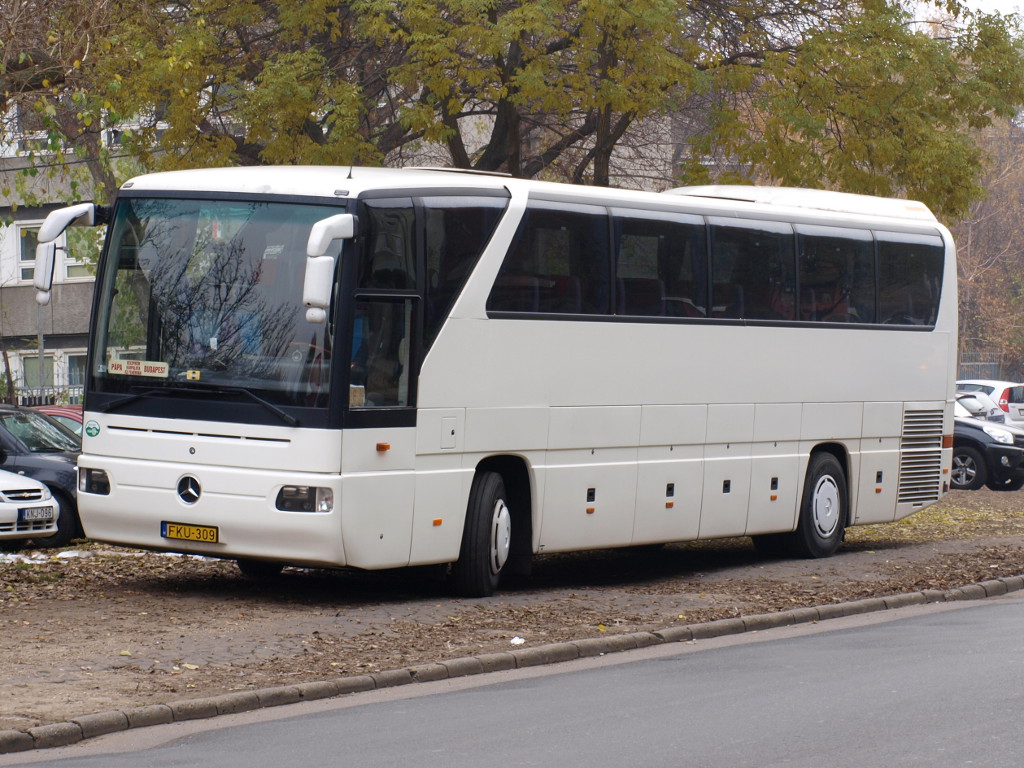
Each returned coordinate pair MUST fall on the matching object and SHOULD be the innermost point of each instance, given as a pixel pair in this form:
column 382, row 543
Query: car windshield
column 201, row 292
column 38, row 433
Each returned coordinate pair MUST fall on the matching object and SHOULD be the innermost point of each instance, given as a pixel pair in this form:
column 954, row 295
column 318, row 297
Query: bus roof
column 306, row 181
column 816, row 199
column 350, row 181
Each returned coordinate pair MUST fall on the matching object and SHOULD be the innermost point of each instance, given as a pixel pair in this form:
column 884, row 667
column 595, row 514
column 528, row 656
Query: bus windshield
column 201, row 293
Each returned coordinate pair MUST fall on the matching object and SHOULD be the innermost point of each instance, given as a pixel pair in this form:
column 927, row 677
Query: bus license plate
column 184, row 532
column 32, row 514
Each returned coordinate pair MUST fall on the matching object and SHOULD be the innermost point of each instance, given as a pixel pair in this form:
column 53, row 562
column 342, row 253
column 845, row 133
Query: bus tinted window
column 910, row 277
column 836, row 275
column 558, row 263
column 661, row 264
column 457, row 229
column 752, row 270
column 389, row 257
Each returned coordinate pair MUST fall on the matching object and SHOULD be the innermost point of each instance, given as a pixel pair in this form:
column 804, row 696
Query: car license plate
column 32, row 514
column 185, row 532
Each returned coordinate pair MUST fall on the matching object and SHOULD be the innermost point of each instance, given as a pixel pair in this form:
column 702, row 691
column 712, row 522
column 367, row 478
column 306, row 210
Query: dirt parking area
column 92, row 629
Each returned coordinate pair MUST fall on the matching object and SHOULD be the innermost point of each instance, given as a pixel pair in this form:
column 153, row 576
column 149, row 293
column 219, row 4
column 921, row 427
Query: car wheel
column 67, row 524
column 1013, row 484
column 486, row 538
column 969, row 472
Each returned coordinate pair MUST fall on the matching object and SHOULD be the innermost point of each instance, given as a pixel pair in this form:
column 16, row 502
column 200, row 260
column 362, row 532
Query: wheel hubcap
column 826, row 506
column 501, row 535
column 964, row 470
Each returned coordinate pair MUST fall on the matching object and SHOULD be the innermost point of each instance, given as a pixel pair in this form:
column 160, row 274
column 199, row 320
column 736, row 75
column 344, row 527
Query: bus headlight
column 93, row 481
column 305, row 498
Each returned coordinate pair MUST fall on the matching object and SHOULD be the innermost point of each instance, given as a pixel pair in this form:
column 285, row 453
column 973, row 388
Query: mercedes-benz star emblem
column 189, row 489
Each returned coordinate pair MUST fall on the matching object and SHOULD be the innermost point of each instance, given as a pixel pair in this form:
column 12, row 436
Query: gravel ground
column 92, row 629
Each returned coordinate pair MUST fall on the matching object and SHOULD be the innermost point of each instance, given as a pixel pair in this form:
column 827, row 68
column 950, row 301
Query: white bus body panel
column 241, row 469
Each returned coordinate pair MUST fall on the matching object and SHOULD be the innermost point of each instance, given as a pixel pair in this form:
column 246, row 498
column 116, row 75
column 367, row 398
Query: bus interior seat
column 515, row 293
column 641, row 296
column 727, row 300
column 565, row 295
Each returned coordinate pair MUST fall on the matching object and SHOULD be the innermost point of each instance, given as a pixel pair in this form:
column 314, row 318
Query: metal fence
column 980, row 361
column 56, row 395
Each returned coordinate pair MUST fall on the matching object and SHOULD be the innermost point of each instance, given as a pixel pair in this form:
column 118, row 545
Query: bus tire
column 823, row 509
column 969, row 470
column 486, row 538
column 259, row 570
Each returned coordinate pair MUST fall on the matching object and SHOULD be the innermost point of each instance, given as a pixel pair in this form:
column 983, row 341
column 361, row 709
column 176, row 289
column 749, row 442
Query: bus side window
column 389, row 257
column 910, row 273
column 457, row 230
column 558, row 263
column 380, row 353
column 837, row 275
column 753, row 269
column 660, row 263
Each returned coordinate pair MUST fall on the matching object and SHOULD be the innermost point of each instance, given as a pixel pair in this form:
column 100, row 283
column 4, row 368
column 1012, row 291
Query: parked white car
column 981, row 406
column 1009, row 396
column 27, row 511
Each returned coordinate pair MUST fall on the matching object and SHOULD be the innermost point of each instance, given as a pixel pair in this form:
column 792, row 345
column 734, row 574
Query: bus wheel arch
column 825, row 504
column 497, row 534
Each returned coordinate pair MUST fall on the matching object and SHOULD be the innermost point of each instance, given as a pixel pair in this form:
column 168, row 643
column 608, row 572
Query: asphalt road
column 939, row 685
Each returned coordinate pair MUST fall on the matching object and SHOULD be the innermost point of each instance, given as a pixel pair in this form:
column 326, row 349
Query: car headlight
column 1000, row 435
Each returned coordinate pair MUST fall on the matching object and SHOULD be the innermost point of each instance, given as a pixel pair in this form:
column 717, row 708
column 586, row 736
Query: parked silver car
column 981, row 406
column 27, row 511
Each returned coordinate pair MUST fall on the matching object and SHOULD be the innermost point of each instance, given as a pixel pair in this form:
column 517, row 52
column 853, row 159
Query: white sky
column 1000, row 6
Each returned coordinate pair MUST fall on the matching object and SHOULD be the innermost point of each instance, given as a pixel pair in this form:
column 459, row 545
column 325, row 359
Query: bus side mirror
column 83, row 214
column 316, row 289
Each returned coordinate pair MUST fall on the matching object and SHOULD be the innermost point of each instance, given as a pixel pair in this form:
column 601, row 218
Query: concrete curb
column 88, row 726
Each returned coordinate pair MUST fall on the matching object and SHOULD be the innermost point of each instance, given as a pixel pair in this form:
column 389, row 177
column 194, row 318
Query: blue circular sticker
column 92, row 429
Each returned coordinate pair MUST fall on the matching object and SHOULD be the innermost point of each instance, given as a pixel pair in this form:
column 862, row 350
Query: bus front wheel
column 823, row 508
column 259, row 570
column 486, row 538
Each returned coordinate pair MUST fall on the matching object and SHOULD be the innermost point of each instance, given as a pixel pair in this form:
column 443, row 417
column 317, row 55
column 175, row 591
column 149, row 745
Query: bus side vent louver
column 920, row 458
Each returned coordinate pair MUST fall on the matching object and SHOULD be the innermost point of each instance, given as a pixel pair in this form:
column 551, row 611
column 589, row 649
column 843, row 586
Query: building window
column 30, row 371
column 28, row 240
column 76, row 369
column 83, row 251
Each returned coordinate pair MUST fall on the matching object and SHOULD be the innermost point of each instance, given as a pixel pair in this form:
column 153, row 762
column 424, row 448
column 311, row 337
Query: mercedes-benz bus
column 378, row 368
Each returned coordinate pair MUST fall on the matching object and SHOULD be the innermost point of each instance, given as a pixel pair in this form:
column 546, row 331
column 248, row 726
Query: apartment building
column 43, row 348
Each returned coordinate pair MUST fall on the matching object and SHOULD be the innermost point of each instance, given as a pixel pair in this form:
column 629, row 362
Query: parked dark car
column 35, row 445
column 986, row 454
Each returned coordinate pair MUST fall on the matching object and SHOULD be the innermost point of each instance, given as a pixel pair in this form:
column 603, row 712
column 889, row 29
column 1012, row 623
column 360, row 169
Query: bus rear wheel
column 486, row 538
column 823, row 509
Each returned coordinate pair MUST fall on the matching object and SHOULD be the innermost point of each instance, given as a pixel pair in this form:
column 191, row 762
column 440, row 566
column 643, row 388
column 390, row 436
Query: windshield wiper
column 287, row 418
column 114, row 405
column 194, row 388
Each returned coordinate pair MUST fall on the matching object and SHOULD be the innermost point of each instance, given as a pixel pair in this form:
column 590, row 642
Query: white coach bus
column 380, row 368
